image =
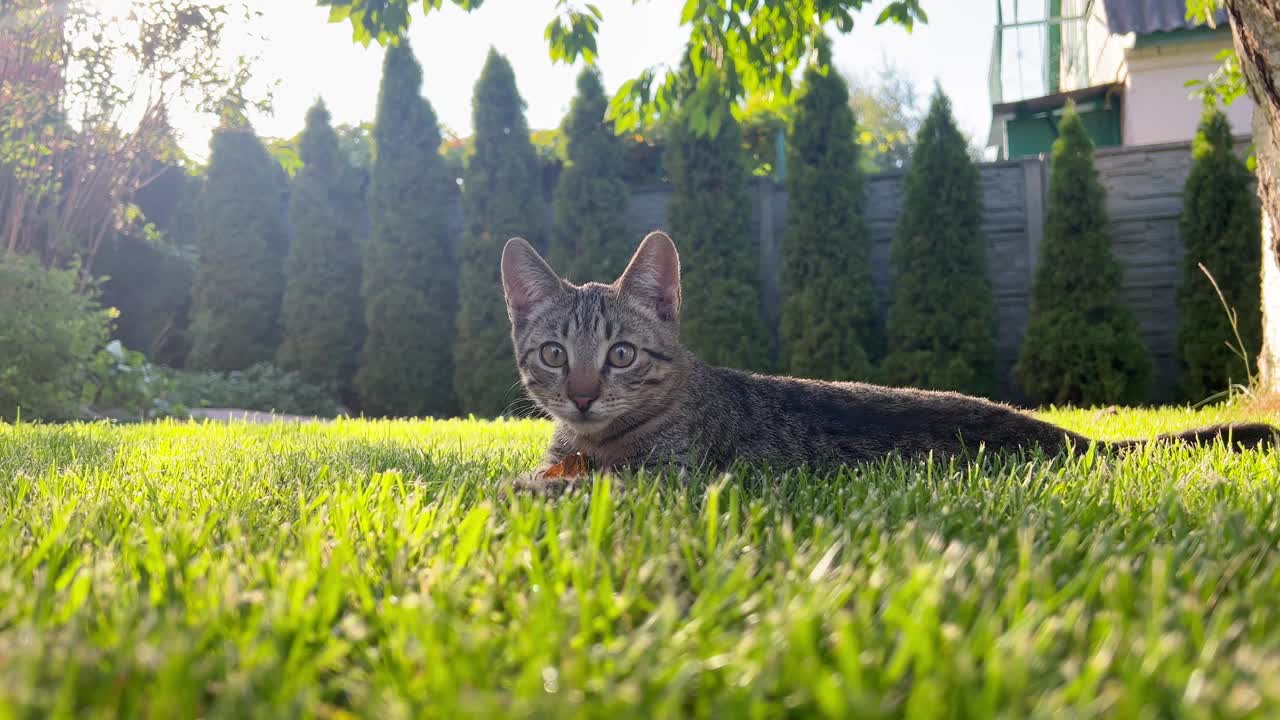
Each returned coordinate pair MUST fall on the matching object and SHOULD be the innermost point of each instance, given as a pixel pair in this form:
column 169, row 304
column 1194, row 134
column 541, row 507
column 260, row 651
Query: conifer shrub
column 241, row 238
column 830, row 325
column 941, row 319
column 1221, row 230
column 322, row 311
column 710, row 221
column 589, row 239
column 1082, row 345
column 409, row 282
column 502, row 198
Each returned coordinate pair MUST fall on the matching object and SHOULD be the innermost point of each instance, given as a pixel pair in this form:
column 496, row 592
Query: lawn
column 377, row 569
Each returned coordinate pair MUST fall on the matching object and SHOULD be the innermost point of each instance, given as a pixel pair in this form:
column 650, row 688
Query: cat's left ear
column 527, row 279
column 653, row 276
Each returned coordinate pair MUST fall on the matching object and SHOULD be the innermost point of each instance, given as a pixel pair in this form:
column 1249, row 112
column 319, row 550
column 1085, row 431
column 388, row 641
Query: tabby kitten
column 605, row 361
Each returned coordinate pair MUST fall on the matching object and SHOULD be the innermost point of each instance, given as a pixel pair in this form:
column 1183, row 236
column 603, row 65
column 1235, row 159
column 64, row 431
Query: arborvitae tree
column 321, row 313
column 830, row 320
column 589, row 241
column 241, row 233
column 410, row 291
column 941, row 321
column 1082, row 345
column 710, row 219
column 502, row 199
column 1220, row 227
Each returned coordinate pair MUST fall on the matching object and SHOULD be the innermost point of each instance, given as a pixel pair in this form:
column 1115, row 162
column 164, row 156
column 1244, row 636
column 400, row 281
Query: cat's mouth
column 585, row 422
column 589, row 424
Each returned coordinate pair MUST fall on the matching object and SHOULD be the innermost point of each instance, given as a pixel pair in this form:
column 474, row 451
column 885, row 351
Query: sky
column 308, row 58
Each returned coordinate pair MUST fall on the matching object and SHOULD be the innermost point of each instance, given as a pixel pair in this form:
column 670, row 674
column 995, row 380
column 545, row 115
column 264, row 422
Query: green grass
column 377, row 569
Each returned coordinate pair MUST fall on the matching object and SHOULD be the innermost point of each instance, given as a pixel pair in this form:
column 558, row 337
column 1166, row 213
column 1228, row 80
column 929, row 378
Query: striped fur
column 667, row 408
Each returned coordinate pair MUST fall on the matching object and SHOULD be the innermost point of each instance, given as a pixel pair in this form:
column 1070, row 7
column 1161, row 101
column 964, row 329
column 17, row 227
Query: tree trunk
column 1255, row 27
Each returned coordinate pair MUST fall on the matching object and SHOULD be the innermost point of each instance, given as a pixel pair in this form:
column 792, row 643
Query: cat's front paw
column 537, row 483
column 572, row 470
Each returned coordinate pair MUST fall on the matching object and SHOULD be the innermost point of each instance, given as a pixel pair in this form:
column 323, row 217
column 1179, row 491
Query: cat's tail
column 1237, row 437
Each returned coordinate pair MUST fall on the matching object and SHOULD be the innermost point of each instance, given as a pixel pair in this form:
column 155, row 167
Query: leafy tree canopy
column 85, row 97
column 752, row 47
column 888, row 107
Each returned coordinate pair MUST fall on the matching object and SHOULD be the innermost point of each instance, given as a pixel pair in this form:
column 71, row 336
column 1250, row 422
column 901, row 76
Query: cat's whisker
column 517, row 386
column 519, row 406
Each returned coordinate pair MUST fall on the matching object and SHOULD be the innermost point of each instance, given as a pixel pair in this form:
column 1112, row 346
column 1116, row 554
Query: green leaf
column 1202, row 11
column 689, row 11
column 554, row 35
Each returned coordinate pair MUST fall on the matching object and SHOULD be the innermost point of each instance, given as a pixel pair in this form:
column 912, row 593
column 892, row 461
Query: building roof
column 1148, row 16
column 1056, row 101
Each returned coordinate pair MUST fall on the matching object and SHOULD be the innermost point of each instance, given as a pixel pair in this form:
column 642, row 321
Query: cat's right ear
column 527, row 279
column 653, row 276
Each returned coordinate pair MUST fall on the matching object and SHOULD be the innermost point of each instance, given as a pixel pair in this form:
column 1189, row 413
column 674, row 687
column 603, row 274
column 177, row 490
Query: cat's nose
column 583, row 388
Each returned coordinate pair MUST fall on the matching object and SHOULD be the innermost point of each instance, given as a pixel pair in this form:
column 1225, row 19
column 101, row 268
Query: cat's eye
column 622, row 355
column 553, row 355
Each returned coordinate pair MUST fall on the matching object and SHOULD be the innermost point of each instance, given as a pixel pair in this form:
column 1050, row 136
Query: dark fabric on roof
column 1148, row 16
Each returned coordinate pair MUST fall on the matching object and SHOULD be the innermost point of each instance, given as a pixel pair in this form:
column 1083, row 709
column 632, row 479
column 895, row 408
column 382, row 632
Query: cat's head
column 594, row 355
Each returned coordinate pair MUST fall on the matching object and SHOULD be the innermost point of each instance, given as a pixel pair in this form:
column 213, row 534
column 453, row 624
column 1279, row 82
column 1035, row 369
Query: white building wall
column 1158, row 107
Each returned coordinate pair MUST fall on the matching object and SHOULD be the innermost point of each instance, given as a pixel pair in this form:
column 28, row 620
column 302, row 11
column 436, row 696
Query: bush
column 501, row 199
column 242, row 239
column 321, row 310
column 49, row 333
column 710, row 218
column 941, row 321
column 149, row 283
column 1220, row 228
column 261, row 387
column 1082, row 345
column 831, row 325
column 147, row 269
column 589, row 241
column 121, row 384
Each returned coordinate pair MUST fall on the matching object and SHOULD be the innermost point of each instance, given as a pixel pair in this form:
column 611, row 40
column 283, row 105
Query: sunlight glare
column 113, row 9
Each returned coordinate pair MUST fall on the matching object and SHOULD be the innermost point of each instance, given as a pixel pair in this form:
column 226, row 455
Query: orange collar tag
column 571, row 466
